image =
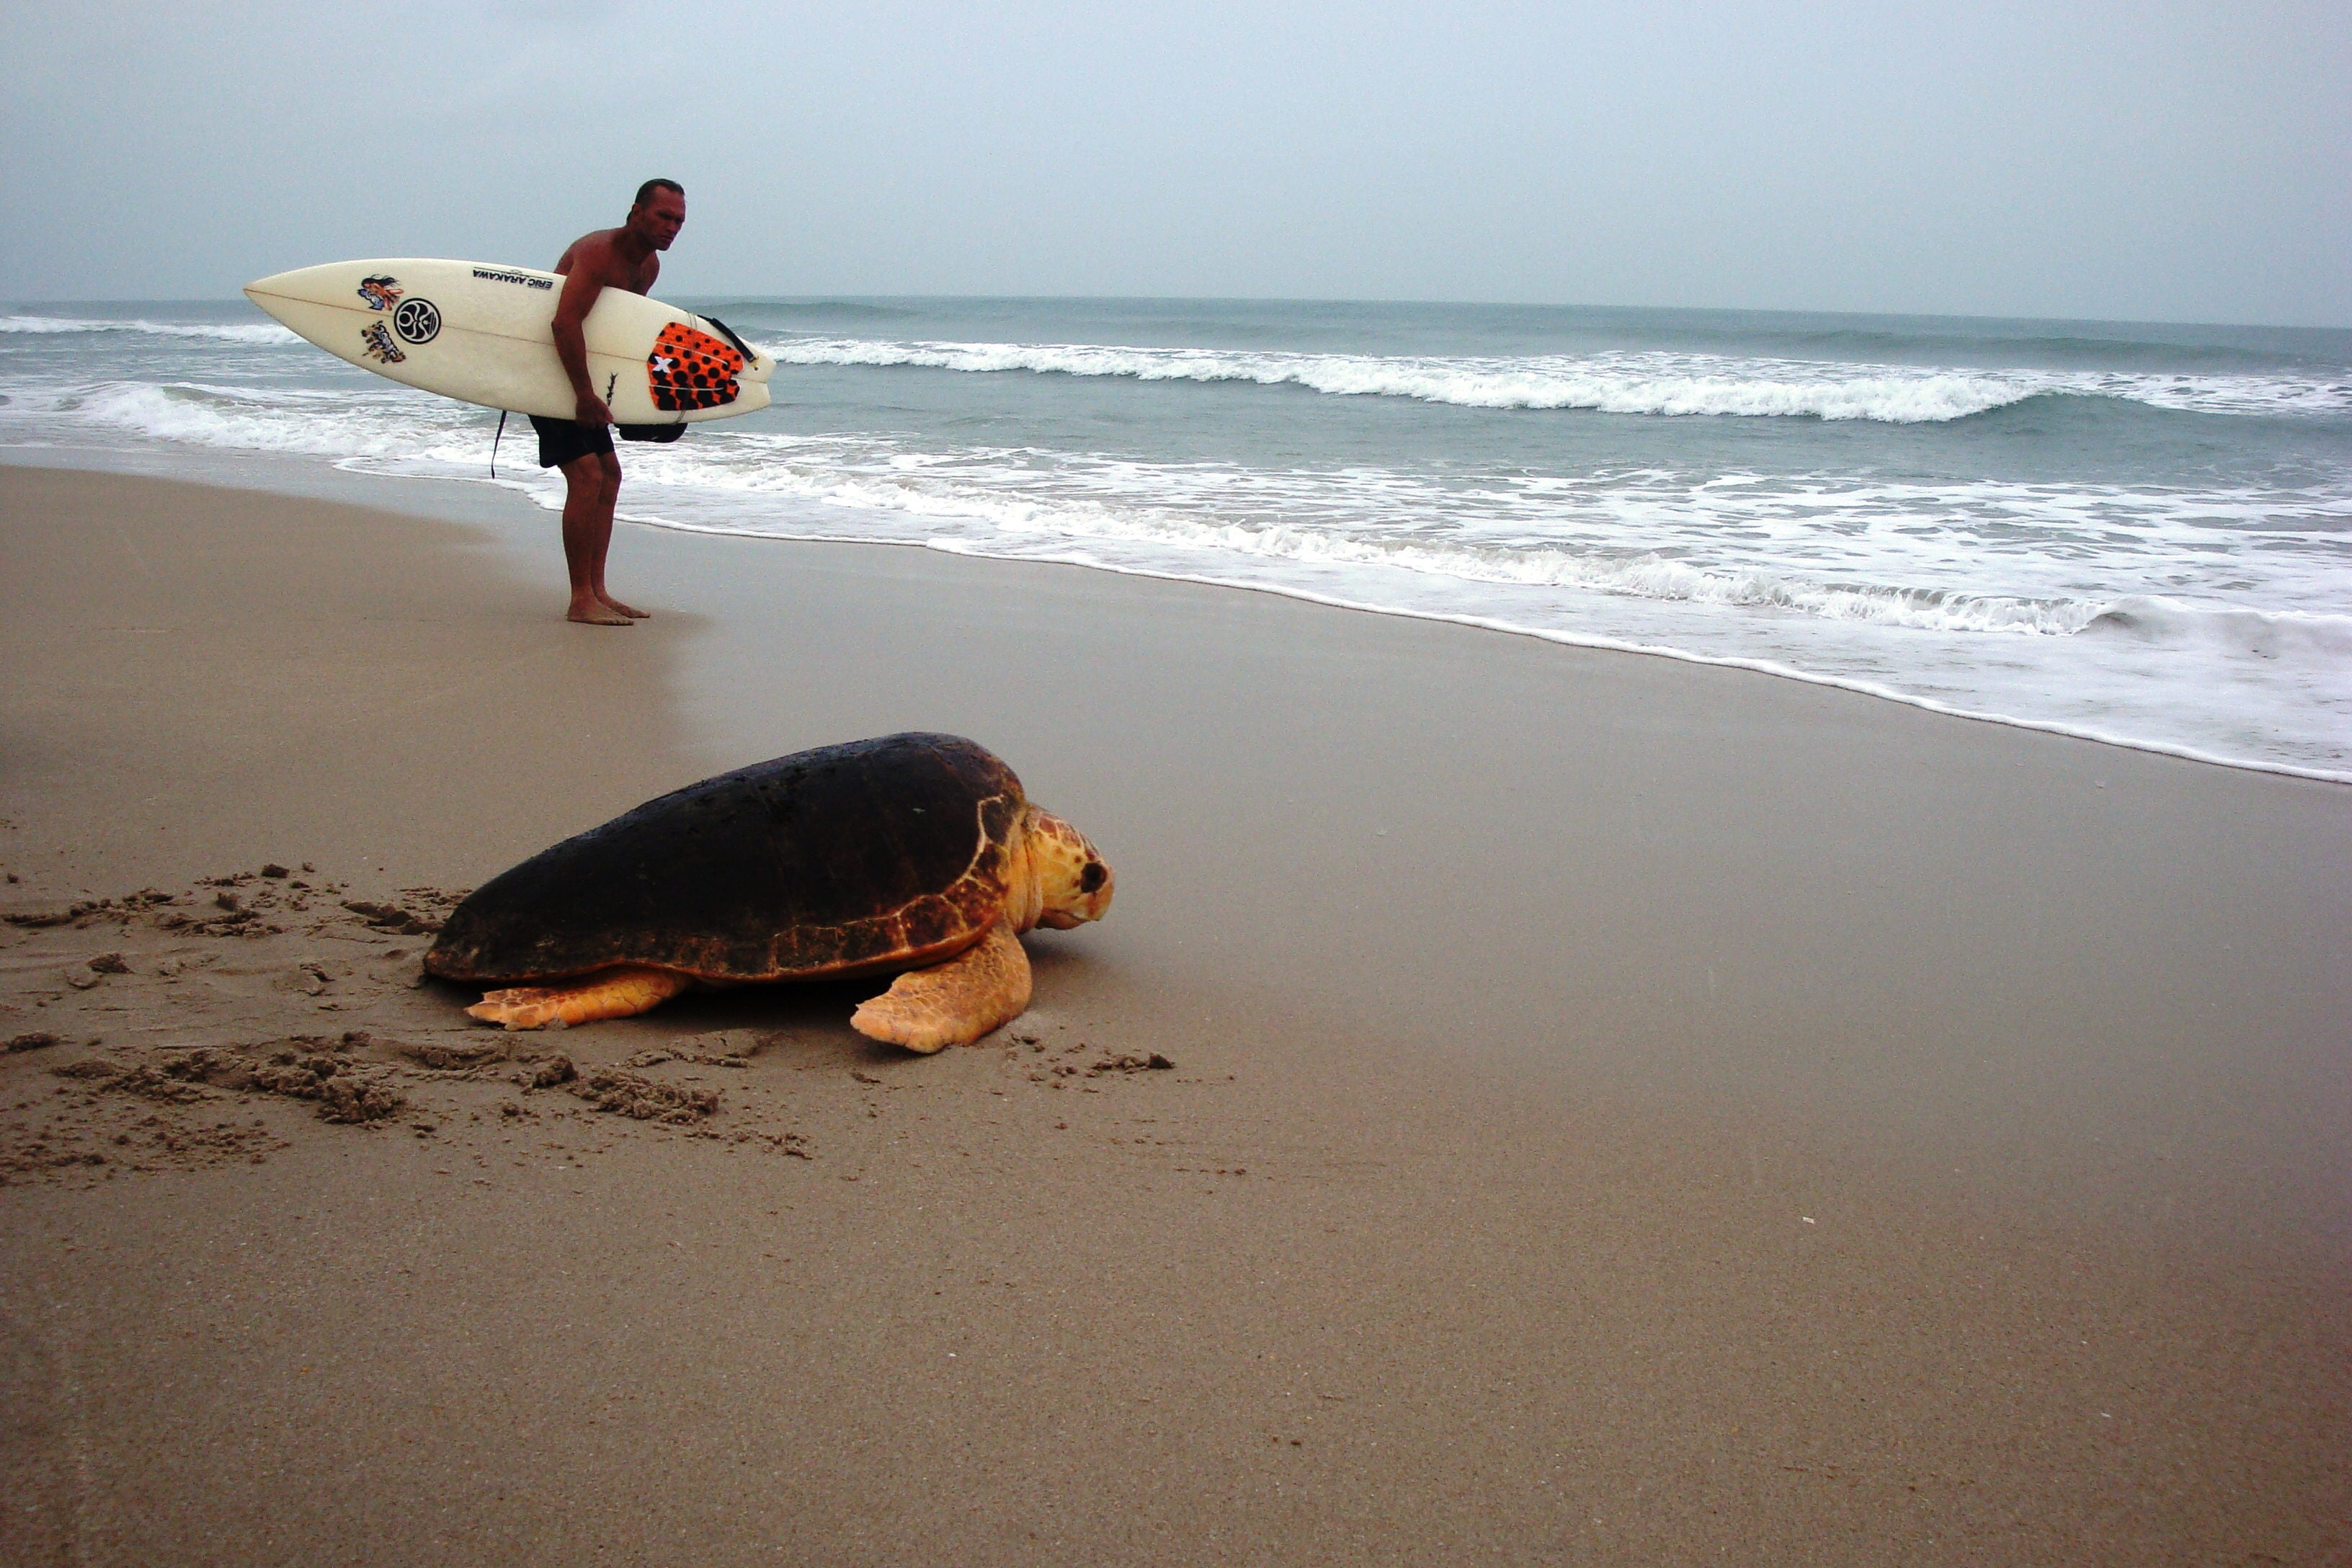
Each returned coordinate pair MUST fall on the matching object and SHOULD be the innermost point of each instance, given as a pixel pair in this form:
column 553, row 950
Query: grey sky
column 2143, row 160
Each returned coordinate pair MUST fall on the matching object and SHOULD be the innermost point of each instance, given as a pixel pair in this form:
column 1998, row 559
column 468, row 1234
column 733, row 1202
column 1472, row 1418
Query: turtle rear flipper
column 612, row 994
column 955, row 1003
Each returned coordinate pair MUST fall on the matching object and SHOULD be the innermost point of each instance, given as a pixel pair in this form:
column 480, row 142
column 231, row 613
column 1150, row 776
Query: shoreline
column 1608, row 644
column 264, row 466
column 1723, row 1114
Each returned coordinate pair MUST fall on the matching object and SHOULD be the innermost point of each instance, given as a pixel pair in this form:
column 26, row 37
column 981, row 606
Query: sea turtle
column 915, row 853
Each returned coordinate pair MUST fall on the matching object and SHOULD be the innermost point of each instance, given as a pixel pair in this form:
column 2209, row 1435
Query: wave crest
column 1615, row 382
column 2273, row 633
column 227, row 332
column 392, row 421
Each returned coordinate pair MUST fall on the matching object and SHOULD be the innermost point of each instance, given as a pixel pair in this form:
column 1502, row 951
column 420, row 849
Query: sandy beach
column 1621, row 1111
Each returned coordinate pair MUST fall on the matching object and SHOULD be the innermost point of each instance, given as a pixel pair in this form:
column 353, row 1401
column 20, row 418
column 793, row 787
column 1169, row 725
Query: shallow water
column 2138, row 533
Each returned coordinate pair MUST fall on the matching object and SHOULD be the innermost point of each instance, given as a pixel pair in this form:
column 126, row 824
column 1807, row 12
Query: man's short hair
column 645, row 192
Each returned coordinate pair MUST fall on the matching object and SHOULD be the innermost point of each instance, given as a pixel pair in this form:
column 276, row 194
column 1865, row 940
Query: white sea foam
column 1974, row 557
column 2286, row 634
column 2209, row 620
column 393, row 423
column 2081, row 725
column 227, row 331
column 1200, row 533
column 1611, row 383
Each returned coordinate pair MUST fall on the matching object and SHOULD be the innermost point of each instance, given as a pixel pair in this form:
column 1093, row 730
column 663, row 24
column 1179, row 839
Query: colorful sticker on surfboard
column 418, row 321
column 379, row 291
column 377, row 338
column 690, row 369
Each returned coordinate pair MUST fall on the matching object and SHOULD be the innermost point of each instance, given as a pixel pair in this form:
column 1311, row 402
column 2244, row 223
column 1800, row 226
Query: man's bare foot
column 596, row 612
column 610, row 602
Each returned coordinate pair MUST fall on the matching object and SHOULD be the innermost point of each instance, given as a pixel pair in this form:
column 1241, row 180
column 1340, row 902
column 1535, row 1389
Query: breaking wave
column 1612, row 383
column 2270, row 634
column 1192, row 513
column 1846, row 549
column 227, row 331
column 392, row 421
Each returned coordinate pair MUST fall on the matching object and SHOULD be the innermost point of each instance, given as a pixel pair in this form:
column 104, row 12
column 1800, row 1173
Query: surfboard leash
column 494, row 443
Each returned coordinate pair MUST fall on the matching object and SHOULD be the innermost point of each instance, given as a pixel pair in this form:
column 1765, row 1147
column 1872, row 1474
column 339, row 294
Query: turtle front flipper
column 955, row 1003
column 610, row 994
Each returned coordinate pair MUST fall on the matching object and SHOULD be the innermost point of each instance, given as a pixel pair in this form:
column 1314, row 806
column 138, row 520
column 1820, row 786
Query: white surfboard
column 482, row 333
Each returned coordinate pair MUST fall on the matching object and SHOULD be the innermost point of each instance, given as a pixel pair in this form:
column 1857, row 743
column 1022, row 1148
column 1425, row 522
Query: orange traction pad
column 691, row 369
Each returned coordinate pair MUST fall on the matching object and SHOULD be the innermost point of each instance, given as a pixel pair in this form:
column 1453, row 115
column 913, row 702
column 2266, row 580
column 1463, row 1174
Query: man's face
column 658, row 220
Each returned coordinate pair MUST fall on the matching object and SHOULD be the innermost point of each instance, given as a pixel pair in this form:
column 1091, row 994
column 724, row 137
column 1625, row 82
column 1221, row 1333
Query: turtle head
column 1073, row 883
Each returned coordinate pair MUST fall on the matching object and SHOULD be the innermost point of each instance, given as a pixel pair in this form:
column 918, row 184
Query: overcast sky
column 2142, row 161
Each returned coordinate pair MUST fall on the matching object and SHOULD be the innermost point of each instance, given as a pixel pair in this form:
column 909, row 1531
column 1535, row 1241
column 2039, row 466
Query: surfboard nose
column 274, row 294
column 269, row 297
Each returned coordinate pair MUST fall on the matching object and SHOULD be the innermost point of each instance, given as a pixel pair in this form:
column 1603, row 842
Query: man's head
column 658, row 213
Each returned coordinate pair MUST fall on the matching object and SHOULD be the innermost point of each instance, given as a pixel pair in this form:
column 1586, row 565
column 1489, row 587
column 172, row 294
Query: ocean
column 2138, row 534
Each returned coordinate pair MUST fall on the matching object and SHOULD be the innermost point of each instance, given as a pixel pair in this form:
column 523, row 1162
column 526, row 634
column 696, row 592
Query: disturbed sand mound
column 209, row 1026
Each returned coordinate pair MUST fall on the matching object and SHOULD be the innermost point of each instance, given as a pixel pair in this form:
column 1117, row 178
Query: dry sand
column 1620, row 1112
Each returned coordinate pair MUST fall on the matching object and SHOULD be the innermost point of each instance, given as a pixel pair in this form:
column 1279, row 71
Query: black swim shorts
column 560, row 441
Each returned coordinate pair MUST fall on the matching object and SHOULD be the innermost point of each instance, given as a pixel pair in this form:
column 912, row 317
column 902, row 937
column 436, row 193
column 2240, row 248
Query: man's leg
column 591, row 484
column 612, row 497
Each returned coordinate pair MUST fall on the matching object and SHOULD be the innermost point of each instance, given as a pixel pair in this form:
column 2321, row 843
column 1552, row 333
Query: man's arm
column 583, row 280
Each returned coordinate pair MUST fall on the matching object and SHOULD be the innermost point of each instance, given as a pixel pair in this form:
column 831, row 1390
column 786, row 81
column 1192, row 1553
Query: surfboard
column 484, row 333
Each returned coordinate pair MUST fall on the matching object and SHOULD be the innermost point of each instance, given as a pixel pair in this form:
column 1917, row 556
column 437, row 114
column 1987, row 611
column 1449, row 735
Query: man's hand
column 591, row 410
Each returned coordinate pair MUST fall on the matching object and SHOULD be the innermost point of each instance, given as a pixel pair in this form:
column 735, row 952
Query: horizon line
column 822, row 297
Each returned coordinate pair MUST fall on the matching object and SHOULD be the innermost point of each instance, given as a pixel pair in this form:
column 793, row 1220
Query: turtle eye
column 1091, row 877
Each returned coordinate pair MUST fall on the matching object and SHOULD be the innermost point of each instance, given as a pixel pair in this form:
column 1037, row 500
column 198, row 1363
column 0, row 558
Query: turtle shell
column 876, row 855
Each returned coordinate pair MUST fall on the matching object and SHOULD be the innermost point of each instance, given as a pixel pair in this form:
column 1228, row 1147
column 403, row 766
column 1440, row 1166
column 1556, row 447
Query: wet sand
column 1621, row 1111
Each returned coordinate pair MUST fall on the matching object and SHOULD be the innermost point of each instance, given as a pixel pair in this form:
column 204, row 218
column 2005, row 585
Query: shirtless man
column 626, row 257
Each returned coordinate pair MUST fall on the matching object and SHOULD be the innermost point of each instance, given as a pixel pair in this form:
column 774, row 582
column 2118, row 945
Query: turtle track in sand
column 253, row 1014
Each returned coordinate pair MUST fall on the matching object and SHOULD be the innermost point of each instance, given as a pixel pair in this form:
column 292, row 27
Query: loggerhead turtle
column 915, row 853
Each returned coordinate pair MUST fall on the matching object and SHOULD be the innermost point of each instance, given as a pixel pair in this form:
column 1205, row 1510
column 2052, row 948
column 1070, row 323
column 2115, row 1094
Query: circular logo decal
column 416, row 321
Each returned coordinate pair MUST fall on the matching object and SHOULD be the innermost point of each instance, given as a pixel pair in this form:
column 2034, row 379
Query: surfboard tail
column 756, row 366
